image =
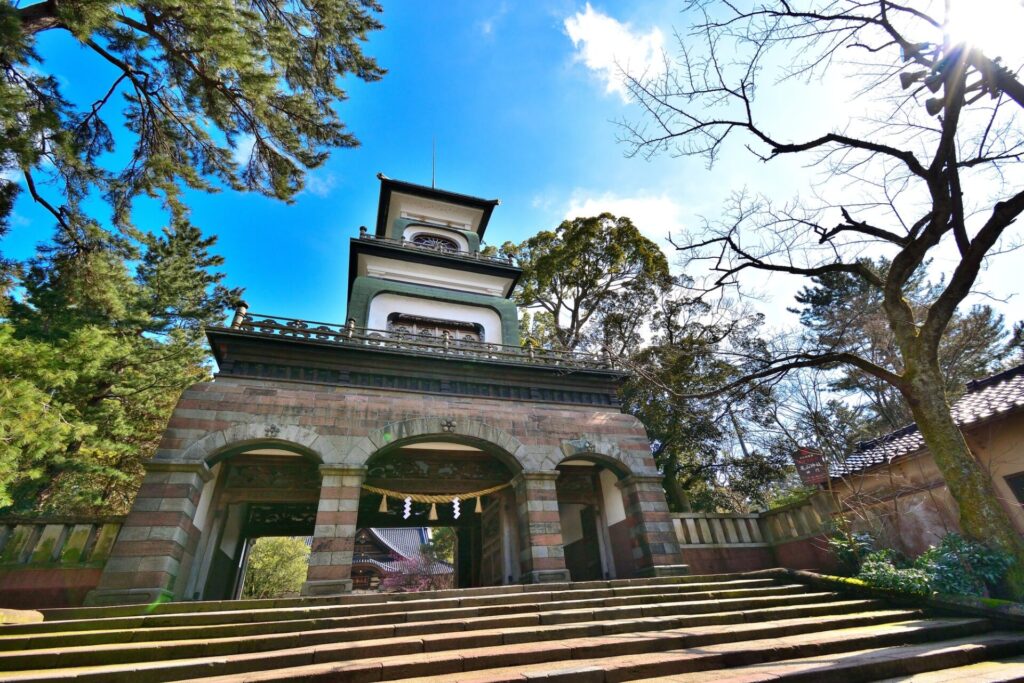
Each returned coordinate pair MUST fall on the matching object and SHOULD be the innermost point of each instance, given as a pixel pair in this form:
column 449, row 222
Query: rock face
column 742, row 626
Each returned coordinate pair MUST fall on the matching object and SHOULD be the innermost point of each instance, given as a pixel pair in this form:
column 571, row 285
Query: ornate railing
column 458, row 253
column 402, row 342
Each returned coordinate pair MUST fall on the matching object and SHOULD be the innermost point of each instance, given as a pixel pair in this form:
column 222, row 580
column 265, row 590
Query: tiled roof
column 404, row 542
column 985, row 398
column 394, row 567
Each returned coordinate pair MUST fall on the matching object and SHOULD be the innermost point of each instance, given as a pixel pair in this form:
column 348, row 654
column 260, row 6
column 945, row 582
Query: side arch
column 598, row 451
column 216, row 446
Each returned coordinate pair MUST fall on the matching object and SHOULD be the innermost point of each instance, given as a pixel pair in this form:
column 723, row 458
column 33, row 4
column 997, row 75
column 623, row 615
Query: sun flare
column 992, row 25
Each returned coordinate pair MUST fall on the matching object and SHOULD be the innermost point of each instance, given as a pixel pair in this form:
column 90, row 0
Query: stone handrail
column 755, row 529
column 57, row 542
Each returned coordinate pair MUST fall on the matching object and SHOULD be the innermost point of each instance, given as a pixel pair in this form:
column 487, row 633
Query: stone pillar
column 655, row 547
column 153, row 552
column 541, row 556
column 330, row 558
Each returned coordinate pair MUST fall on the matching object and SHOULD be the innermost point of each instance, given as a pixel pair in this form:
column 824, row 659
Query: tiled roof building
column 891, row 487
column 990, row 398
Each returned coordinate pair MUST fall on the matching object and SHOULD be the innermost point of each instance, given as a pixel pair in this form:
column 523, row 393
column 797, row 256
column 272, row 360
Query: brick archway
column 215, row 446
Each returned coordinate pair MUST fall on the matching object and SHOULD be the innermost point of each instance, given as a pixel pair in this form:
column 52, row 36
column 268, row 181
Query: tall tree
column 925, row 171
column 843, row 313
column 95, row 356
column 710, row 449
column 276, row 569
column 204, row 83
column 594, row 279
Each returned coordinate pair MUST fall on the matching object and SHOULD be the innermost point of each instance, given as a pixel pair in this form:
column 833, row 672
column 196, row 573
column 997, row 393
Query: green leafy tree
column 203, row 83
column 277, row 567
column 102, row 350
column 1015, row 347
column 593, row 281
column 930, row 165
column 443, row 541
column 709, row 448
column 842, row 312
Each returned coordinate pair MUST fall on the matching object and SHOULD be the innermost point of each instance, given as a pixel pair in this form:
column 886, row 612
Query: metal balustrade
column 457, row 253
column 444, row 345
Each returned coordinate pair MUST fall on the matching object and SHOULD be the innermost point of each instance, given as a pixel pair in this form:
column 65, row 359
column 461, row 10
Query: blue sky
column 521, row 100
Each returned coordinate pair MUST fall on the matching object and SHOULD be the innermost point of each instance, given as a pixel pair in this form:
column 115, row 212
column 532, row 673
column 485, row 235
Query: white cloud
column 656, row 216
column 488, row 25
column 611, row 48
column 243, row 148
column 320, row 186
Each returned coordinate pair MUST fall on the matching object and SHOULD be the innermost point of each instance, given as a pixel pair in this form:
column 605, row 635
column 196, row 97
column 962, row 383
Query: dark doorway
column 485, row 540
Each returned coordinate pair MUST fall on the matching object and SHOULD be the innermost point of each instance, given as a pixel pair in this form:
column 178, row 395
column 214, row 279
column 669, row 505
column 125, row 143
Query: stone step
column 428, row 608
column 68, row 613
column 993, row 669
column 443, row 655
column 946, row 661
column 398, row 624
column 569, row 623
column 715, row 659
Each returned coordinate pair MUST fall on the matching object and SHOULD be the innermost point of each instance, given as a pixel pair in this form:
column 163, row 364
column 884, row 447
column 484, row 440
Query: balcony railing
column 457, row 253
column 444, row 345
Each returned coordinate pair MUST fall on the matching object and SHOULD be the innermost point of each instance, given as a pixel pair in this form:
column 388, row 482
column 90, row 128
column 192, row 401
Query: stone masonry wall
column 343, row 427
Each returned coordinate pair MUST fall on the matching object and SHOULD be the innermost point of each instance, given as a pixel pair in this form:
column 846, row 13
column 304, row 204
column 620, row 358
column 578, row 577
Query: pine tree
column 204, row 83
column 101, row 352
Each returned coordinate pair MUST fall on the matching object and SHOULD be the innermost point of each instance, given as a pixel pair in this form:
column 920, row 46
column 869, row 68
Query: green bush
column 879, row 569
column 963, row 567
column 955, row 566
column 851, row 548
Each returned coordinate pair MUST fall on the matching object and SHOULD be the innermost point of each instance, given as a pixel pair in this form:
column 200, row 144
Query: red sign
column 810, row 465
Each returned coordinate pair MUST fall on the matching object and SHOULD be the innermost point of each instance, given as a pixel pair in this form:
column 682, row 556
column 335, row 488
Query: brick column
column 330, row 558
column 541, row 556
column 153, row 552
column 655, row 547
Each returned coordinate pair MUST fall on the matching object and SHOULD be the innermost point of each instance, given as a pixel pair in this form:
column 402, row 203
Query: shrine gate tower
column 422, row 409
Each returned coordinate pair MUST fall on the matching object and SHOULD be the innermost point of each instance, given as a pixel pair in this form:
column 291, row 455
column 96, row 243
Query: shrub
column 955, row 566
column 879, row 569
column 851, row 548
column 415, row 574
column 963, row 567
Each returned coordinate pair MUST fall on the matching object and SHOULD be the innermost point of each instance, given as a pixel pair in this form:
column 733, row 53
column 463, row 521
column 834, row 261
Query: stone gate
column 426, row 390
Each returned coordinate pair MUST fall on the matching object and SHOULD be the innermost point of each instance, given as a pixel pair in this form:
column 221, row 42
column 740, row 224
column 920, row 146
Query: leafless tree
column 932, row 163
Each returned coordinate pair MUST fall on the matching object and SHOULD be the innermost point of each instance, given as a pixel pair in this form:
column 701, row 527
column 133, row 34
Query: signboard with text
column 810, row 465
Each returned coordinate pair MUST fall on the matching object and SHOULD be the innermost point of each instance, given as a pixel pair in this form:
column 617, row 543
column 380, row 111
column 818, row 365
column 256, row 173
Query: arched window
column 435, row 242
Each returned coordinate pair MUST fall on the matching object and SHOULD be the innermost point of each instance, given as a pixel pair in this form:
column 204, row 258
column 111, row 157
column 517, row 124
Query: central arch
column 472, row 432
column 415, row 458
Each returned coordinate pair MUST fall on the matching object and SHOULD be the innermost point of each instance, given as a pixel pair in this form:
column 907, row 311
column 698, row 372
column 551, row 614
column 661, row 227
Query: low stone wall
column 794, row 537
column 46, row 563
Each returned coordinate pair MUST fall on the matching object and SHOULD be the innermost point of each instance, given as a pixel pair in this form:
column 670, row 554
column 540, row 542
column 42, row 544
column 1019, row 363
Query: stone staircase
column 738, row 627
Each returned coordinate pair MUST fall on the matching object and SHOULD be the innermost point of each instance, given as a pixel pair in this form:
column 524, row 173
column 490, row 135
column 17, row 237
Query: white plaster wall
column 432, row 276
column 413, row 230
column 614, row 510
column 418, row 207
column 205, row 499
column 383, row 305
column 572, row 527
column 232, row 530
